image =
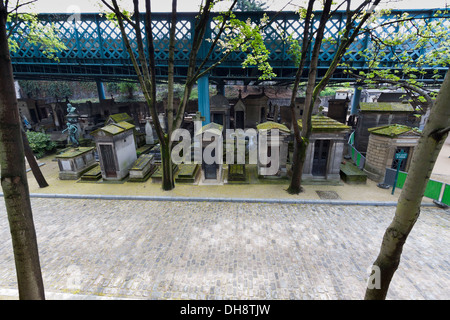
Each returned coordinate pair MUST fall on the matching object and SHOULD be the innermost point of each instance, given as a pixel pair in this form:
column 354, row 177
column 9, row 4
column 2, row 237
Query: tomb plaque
column 65, row 164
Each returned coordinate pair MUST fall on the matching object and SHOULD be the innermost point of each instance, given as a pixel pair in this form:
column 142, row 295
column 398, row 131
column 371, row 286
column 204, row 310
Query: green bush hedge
column 40, row 143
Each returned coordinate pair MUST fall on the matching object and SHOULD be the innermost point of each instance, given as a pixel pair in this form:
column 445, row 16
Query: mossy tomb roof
column 115, row 128
column 211, row 127
column 385, row 107
column 393, row 130
column 268, row 125
column 321, row 123
column 72, row 153
column 119, row 117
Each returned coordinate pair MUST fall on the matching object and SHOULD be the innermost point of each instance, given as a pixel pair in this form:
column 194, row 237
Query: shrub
column 40, row 143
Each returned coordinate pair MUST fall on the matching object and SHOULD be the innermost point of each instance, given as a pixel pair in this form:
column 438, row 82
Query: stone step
column 93, row 174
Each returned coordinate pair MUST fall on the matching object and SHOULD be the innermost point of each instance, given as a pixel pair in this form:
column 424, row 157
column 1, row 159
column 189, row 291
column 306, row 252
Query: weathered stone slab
column 144, row 149
column 157, row 174
column 351, row 174
column 187, row 173
column 142, row 168
column 92, row 175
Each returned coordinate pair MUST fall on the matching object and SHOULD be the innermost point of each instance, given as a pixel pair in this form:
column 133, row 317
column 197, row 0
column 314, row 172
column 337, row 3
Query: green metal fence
column 446, row 195
column 435, row 190
column 356, row 156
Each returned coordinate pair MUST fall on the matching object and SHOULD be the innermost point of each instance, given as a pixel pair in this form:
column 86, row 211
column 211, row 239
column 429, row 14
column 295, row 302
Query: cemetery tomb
column 117, row 149
column 74, row 162
column 92, row 175
column 376, row 114
column 351, row 174
column 286, row 112
column 211, row 172
column 220, row 110
column 337, row 109
column 325, row 150
column 142, row 168
column 255, row 109
column 139, row 137
column 156, row 152
column 384, row 143
column 281, row 142
column 149, row 139
column 119, row 117
column 187, row 173
column 157, row 174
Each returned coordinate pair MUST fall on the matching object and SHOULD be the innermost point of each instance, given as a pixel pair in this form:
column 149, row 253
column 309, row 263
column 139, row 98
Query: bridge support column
column 100, row 90
column 355, row 100
column 203, row 98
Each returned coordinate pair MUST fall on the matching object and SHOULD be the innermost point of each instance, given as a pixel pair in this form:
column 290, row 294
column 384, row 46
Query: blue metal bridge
column 95, row 50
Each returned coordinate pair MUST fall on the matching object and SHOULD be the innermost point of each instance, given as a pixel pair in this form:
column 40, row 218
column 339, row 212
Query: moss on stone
column 385, row 107
column 120, row 117
column 321, row 123
column 187, row 170
column 211, row 127
column 392, row 130
column 350, row 173
column 269, row 125
column 74, row 152
column 115, row 128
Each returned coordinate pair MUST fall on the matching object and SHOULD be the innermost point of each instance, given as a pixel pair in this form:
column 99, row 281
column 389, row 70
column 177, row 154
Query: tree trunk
column 14, row 181
column 33, row 163
column 408, row 206
column 166, row 163
column 303, row 141
column 297, row 167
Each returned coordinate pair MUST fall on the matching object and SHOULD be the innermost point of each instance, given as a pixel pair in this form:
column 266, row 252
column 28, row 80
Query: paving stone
column 218, row 250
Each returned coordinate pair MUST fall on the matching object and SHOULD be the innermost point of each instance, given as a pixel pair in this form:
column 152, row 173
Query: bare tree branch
column 17, row 6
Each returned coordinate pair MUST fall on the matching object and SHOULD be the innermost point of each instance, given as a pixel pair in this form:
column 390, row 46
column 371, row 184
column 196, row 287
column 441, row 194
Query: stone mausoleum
column 384, row 143
column 279, row 142
column 325, row 150
column 116, row 149
column 376, row 114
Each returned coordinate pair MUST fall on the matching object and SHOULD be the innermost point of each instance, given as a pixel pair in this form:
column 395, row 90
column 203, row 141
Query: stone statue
column 72, row 125
column 72, row 129
column 71, row 109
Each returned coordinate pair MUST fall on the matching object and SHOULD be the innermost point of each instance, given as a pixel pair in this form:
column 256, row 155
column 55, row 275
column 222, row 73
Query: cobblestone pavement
column 215, row 250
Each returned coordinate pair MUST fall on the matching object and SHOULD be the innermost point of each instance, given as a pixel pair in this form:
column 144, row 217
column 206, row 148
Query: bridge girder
column 95, row 51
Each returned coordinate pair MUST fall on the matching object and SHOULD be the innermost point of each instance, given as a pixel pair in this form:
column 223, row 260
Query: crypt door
column 109, row 164
column 320, row 158
column 210, row 169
